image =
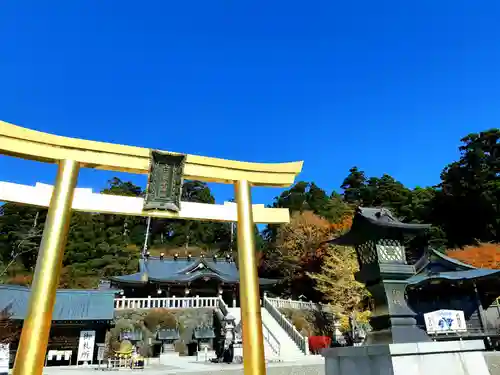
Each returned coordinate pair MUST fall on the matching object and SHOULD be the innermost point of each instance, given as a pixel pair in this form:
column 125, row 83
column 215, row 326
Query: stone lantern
column 204, row 336
column 131, row 335
column 384, row 266
column 168, row 336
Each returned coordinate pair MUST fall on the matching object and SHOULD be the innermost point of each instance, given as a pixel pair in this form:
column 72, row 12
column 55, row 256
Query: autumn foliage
column 485, row 255
column 24, row 280
column 8, row 330
column 312, row 265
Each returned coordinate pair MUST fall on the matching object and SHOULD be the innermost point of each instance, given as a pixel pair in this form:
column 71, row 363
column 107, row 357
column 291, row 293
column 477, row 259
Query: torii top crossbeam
column 34, row 145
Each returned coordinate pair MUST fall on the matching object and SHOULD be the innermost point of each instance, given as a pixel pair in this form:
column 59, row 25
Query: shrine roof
column 184, row 270
column 384, row 218
column 369, row 219
column 442, row 267
column 71, row 304
column 473, row 274
column 449, row 262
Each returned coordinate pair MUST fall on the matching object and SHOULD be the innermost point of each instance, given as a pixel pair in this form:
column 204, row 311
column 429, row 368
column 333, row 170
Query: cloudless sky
column 389, row 86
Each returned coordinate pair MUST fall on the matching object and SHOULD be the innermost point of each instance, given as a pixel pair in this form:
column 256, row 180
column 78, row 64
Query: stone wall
column 188, row 320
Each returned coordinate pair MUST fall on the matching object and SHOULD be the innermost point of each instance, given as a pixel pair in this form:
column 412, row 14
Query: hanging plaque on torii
column 165, row 180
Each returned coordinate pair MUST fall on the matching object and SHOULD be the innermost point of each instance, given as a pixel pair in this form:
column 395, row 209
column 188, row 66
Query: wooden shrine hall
column 184, row 277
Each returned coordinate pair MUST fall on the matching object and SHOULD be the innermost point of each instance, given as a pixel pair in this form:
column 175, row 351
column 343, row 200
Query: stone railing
column 125, row 303
column 301, row 341
column 273, row 342
column 281, row 303
column 224, row 308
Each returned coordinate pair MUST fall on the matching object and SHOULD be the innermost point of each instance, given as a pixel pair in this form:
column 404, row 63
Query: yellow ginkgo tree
column 337, row 284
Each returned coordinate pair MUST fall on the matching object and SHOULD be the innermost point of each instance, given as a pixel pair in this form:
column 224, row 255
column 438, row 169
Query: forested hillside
column 464, row 209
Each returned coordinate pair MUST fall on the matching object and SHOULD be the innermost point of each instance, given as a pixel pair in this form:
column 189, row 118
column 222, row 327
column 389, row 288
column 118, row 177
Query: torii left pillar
column 31, row 353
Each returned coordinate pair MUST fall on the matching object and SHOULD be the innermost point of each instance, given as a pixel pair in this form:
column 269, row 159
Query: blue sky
column 389, row 86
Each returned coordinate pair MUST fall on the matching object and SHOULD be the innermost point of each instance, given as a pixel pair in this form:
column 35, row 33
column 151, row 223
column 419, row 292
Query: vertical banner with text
column 86, row 346
column 4, row 359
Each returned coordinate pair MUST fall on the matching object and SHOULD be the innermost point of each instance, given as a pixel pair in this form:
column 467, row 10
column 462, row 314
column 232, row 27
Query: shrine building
column 74, row 311
column 188, row 276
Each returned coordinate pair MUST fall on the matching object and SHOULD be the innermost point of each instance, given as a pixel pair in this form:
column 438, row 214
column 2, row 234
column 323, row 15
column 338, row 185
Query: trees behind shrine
column 101, row 245
column 463, row 208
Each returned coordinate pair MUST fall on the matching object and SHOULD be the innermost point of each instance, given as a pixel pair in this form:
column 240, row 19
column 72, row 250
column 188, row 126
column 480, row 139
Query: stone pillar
column 384, row 271
column 235, row 298
column 229, row 331
column 480, row 311
column 337, row 335
column 229, row 326
column 168, row 346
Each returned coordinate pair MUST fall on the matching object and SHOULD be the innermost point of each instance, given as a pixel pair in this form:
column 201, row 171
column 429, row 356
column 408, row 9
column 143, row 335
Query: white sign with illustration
column 86, row 346
column 443, row 321
column 4, row 358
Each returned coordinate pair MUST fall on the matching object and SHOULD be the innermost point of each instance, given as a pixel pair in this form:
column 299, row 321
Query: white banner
column 4, row 358
column 86, row 346
column 101, row 350
column 443, row 321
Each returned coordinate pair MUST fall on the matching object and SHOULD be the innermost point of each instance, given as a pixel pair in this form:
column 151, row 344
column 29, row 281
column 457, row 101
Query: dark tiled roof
column 474, row 274
column 70, row 304
column 369, row 219
column 451, row 262
column 443, row 267
column 184, row 270
column 383, row 217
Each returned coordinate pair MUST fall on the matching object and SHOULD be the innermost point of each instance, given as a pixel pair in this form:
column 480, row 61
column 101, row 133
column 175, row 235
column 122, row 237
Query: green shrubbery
column 311, row 322
column 149, row 321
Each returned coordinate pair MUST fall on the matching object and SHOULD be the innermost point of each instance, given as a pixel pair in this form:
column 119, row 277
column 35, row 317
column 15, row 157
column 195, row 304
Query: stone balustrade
column 281, row 303
column 173, row 302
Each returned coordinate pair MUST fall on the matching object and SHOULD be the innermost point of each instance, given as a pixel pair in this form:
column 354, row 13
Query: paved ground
column 306, row 366
column 186, row 366
column 493, row 361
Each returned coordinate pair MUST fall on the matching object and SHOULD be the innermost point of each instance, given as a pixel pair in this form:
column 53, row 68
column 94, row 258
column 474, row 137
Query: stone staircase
column 271, row 351
column 278, row 345
column 288, row 348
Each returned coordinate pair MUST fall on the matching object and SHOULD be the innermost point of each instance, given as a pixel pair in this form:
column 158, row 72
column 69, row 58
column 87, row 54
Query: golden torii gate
column 71, row 154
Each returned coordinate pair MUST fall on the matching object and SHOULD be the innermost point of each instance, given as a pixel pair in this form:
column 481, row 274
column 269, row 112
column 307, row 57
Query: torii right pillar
column 254, row 362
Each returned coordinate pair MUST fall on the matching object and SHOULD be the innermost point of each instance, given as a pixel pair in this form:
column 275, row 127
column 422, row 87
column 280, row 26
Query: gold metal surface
column 35, row 145
column 253, row 343
column 30, row 355
column 72, row 153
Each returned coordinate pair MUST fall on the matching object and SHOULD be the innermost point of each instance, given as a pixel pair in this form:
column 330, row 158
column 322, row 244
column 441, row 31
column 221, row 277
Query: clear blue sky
column 389, row 86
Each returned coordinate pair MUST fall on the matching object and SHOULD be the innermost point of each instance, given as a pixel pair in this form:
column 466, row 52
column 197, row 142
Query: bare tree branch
column 22, row 247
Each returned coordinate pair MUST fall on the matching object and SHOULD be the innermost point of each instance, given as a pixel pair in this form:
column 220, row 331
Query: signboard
column 86, row 346
column 101, row 351
column 4, row 358
column 164, row 188
column 445, row 321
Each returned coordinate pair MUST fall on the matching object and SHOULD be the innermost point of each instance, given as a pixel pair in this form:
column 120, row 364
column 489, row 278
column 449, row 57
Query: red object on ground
column 316, row 343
